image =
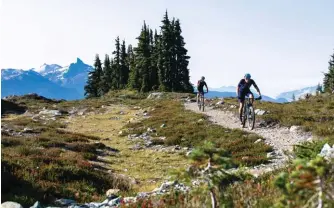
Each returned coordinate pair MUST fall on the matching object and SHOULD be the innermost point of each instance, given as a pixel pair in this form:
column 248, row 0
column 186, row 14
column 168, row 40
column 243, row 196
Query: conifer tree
column 106, row 78
column 133, row 82
column 154, row 79
column 142, row 56
column 94, row 79
column 124, row 68
column 166, row 54
column 116, row 65
column 182, row 82
column 329, row 77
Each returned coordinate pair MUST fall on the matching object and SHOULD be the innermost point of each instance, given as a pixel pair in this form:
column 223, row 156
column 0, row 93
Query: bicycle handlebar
column 259, row 98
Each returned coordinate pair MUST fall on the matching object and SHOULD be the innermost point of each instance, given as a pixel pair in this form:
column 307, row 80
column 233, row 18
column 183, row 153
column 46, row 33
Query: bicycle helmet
column 247, row 76
column 202, row 78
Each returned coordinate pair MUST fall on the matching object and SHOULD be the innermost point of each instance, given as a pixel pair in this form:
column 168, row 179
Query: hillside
column 129, row 143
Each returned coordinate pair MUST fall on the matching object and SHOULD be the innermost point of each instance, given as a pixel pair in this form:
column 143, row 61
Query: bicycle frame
column 201, row 101
column 248, row 113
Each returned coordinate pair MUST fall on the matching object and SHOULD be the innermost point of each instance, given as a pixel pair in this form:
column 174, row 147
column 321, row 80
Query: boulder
column 51, row 112
column 65, row 202
column 155, row 95
column 260, row 112
column 10, row 204
column 112, row 192
column 327, row 152
column 295, row 128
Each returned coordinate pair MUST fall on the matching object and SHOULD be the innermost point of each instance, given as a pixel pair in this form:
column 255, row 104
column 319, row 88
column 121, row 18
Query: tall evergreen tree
column 182, row 82
column 133, row 82
column 166, row 54
column 154, row 79
column 116, row 83
column 124, row 68
column 329, row 77
column 94, row 79
column 106, row 78
column 142, row 56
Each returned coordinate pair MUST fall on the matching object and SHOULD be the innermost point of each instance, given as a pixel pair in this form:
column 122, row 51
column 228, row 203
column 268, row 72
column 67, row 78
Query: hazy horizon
column 284, row 45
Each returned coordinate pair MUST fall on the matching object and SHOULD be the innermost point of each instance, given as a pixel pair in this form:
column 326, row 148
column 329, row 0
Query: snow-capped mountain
column 298, row 93
column 46, row 69
column 70, row 78
column 20, row 82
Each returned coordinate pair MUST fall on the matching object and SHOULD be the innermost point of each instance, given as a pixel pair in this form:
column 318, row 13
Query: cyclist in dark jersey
column 200, row 87
column 243, row 90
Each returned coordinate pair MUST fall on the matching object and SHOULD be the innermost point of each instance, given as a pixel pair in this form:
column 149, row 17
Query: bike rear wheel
column 251, row 118
column 202, row 103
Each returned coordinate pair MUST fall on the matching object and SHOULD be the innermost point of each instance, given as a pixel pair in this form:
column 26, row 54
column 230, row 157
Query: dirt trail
column 281, row 139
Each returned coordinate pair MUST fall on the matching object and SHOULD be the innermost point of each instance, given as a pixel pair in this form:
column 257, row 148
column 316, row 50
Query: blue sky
column 284, row 44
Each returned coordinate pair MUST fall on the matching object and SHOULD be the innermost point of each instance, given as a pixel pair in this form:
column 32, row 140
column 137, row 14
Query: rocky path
column 281, row 139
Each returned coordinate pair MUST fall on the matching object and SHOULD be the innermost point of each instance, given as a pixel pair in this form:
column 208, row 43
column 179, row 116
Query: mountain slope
column 298, row 93
column 19, row 82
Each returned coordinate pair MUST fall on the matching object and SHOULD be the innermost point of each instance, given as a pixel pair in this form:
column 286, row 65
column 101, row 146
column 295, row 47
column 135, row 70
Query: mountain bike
column 200, row 102
column 248, row 113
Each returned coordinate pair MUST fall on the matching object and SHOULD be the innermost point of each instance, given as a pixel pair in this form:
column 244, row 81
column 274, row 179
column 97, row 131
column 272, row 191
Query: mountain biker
column 200, row 85
column 243, row 90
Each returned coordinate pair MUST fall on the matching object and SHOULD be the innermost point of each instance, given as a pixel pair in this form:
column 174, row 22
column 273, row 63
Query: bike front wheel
column 251, row 118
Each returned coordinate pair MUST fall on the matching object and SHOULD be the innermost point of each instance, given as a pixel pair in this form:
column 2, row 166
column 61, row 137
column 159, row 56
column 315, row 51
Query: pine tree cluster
column 158, row 62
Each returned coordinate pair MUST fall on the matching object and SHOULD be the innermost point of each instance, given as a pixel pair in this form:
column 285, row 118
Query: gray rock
column 114, row 202
column 36, row 205
column 177, row 147
column 64, row 202
column 111, row 192
column 151, row 130
column 188, row 153
column 260, row 112
column 295, row 128
column 27, row 130
column 50, row 112
column 257, row 141
column 155, row 95
column 10, row 204
column 167, row 185
column 127, row 200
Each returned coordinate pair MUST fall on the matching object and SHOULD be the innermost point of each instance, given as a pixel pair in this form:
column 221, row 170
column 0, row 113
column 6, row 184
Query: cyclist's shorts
column 243, row 95
column 201, row 91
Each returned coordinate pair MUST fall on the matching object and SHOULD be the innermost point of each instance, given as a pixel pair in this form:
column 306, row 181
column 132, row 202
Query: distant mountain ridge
column 20, row 82
column 298, row 93
column 52, row 80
